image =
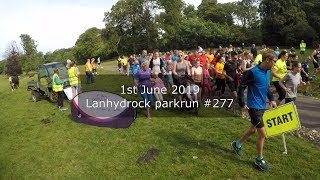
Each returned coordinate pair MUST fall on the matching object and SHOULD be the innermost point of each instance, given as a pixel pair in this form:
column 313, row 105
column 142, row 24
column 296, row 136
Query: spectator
column 88, row 70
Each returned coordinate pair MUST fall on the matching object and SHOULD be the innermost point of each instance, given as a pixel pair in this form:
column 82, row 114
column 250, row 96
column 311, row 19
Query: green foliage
column 210, row 10
column 284, row 22
column 133, row 24
column 28, row 44
column 40, row 142
column 169, row 21
column 246, row 12
column 31, row 58
column 12, row 66
column 311, row 8
column 89, row 44
column 2, row 65
column 60, row 55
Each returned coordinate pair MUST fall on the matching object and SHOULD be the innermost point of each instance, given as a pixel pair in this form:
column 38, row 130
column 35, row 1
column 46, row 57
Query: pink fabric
column 158, row 83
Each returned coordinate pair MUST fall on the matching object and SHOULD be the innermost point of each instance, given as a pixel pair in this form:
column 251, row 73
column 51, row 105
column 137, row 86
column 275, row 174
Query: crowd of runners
column 238, row 68
column 212, row 71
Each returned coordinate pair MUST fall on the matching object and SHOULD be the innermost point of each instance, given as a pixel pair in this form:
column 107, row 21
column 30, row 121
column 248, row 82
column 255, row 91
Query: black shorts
column 232, row 85
column 315, row 65
column 280, row 91
column 304, row 78
column 256, row 117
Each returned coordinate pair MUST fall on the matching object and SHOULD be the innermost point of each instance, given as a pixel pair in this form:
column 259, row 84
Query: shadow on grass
column 211, row 147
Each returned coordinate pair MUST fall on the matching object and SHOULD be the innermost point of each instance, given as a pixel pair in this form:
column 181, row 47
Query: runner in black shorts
column 315, row 57
column 305, row 74
column 256, row 117
column 257, row 79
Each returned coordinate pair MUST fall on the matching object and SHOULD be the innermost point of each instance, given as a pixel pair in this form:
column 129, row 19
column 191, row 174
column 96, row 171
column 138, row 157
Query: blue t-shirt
column 257, row 80
column 134, row 70
column 175, row 58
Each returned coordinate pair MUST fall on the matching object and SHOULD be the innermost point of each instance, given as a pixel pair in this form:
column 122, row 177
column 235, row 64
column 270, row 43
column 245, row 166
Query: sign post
column 281, row 120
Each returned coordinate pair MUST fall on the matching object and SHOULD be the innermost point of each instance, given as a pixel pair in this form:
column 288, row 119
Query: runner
column 197, row 76
column 179, row 71
column 292, row 80
column 220, row 78
column 315, row 57
column 305, row 74
column 278, row 72
column 246, row 64
column 230, row 73
column 257, row 80
column 206, row 81
column 254, row 51
column 144, row 86
column 143, row 57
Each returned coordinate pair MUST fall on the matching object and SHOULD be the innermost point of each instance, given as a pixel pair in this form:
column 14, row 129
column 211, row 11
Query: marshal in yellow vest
column 73, row 79
column 56, row 87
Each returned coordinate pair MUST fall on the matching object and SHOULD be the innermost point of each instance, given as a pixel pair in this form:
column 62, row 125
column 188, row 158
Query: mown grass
column 190, row 146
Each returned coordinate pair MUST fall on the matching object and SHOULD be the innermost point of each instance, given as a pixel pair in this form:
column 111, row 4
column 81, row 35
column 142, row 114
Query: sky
column 53, row 24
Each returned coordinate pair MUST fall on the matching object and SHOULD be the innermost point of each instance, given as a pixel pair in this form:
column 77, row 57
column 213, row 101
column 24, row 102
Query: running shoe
column 237, row 150
column 261, row 164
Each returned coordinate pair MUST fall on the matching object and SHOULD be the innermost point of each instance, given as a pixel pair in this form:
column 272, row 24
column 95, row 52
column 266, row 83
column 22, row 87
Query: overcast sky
column 54, row 24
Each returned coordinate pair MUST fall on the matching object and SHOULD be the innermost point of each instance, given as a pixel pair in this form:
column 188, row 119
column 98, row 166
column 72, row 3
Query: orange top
column 88, row 67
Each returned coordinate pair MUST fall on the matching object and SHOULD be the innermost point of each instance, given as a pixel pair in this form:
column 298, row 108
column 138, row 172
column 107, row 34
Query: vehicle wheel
column 35, row 95
column 53, row 96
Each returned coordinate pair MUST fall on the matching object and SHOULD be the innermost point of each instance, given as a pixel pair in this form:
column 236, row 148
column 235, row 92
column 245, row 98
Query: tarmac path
column 308, row 107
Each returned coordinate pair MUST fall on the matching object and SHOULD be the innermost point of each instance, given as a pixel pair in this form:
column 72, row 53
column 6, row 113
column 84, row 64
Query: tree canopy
column 134, row 25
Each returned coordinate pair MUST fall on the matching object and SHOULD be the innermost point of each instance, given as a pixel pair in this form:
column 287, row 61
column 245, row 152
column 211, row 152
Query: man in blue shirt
column 257, row 80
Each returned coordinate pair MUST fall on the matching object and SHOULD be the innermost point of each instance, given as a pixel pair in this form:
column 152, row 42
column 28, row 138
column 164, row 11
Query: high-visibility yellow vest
column 56, row 87
column 73, row 78
column 258, row 59
column 303, row 46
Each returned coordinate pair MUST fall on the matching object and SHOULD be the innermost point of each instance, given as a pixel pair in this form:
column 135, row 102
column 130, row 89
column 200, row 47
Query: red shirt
column 203, row 60
column 192, row 59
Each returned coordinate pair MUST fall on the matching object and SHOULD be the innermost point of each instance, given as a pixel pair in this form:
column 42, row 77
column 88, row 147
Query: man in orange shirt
column 88, row 69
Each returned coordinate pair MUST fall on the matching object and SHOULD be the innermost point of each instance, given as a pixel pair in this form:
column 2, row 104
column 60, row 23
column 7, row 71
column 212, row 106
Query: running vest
column 73, row 79
column 317, row 55
column 56, row 87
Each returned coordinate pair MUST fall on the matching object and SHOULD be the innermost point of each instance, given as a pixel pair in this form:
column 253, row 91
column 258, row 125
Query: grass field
column 39, row 142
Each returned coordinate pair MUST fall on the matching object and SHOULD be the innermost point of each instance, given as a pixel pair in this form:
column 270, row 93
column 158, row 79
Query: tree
column 133, row 22
column 30, row 58
column 170, row 21
column 60, row 55
column 28, row 44
column 12, row 66
column 246, row 12
column 89, row 44
column 281, row 22
column 210, row 10
column 311, row 8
